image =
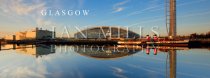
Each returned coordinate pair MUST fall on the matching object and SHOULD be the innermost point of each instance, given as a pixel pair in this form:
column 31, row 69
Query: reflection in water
column 102, row 52
column 37, row 51
column 107, row 52
column 151, row 65
column 33, row 50
column 116, row 51
column 172, row 59
column 110, row 52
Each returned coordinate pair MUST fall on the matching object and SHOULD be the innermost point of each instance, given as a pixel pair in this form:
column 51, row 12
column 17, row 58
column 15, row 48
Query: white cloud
column 25, row 72
column 119, row 9
column 23, row 12
column 19, row 7
column 118, row 6
column 118, row 72
column 21, row 72
column 23, row 9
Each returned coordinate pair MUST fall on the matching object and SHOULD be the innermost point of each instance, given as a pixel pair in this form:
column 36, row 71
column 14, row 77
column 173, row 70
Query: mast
column 172, row 28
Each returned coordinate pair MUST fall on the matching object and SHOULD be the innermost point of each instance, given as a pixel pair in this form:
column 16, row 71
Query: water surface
column 50, row 61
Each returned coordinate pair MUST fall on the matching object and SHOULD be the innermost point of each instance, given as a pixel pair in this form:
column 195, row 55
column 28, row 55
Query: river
column 83, row 61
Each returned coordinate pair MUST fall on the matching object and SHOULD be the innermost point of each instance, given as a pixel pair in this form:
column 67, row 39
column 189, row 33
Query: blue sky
column 19, row 15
